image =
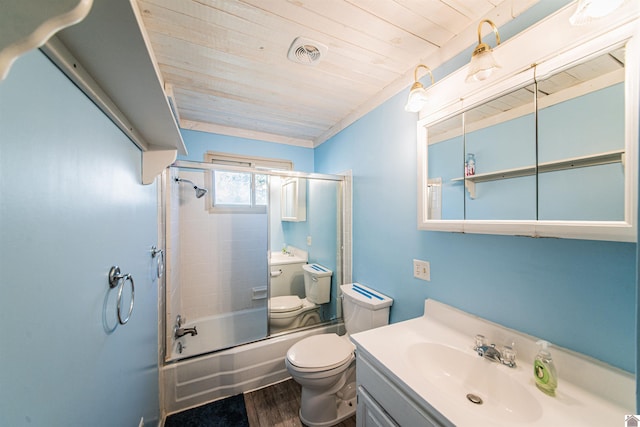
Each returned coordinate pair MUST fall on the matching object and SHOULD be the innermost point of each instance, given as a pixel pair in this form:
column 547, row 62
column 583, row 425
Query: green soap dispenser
column 544, row 370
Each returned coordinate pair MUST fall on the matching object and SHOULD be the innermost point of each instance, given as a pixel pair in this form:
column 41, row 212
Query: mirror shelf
column 615, row 156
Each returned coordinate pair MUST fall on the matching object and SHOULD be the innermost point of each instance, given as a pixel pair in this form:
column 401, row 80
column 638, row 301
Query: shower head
column 199, row 191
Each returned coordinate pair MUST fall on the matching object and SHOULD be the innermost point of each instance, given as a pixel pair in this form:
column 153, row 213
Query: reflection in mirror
column 445, row 198
column 500, row 158
column 293, row 199
column 293, row 244
column 581, row 141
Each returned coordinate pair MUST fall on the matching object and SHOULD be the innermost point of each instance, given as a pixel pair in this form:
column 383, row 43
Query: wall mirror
column 549, row 152
column 500, row 158
column 581, row 146
column 446, row 148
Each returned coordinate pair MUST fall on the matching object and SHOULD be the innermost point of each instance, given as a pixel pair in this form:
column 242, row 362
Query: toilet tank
column 363, row 308
column 317, row 283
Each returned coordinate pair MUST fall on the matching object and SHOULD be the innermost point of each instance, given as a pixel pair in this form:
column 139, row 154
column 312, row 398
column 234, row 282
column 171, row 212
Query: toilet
column 291, row 311
column 324, row 365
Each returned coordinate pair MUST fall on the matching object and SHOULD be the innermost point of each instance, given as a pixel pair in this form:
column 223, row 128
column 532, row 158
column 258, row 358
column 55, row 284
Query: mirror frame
column 524, row 59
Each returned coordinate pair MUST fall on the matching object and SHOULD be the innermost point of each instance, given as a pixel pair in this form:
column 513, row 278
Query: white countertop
column 590, row 393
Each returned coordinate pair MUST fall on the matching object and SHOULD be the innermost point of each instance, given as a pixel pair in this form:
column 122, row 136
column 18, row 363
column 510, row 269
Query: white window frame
column 240, row 164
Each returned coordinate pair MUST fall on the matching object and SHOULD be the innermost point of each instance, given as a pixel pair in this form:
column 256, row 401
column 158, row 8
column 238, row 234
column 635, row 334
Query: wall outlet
column 308, row 240
column 421, row 270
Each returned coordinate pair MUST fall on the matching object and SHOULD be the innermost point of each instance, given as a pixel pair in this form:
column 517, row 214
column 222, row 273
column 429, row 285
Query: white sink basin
column 278, row 258
column 474, row 383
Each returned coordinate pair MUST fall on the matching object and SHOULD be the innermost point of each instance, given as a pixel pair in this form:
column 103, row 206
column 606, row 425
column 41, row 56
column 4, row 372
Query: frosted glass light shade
column 418, row 94
column 482, row 64
column 589, row 9
column 417, row 98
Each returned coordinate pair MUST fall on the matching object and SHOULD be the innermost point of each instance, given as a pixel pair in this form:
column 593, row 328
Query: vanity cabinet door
column 369, row 413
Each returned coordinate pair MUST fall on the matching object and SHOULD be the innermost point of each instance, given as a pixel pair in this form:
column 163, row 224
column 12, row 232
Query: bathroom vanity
column 426, row 372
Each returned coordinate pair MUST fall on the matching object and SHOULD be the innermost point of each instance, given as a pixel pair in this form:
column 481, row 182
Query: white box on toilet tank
column 364, row 308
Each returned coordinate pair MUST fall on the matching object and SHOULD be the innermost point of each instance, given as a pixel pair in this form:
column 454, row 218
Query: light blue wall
column 198, row 143
column 577, row 294
column 72, row 205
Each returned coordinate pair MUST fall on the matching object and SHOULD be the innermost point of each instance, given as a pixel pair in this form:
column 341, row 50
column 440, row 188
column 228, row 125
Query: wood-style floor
column 278, row 406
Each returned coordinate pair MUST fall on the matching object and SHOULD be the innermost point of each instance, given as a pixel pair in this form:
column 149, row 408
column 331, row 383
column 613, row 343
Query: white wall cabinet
column 553, row 134
column 293, row 200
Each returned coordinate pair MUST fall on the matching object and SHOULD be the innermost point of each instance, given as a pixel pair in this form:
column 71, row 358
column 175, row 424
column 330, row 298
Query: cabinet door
column 581, row 141
column 370, row 413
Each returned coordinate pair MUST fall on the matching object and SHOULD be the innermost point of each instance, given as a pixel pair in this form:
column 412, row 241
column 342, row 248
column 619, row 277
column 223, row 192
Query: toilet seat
column 320, row 353
column 285, row 304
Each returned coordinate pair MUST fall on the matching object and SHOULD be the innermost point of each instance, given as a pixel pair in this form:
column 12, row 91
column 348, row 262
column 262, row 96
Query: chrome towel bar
column 155, row 252
column 117, row 279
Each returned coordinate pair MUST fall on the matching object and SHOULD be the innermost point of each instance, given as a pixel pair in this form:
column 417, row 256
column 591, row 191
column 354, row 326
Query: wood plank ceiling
column 225, row 61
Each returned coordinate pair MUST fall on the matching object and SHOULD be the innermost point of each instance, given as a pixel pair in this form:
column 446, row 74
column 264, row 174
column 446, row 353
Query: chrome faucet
column 180, row 332
column 490, row 352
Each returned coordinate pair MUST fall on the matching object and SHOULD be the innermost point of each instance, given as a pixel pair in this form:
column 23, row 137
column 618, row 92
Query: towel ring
column 155, row 252
column 117, row 278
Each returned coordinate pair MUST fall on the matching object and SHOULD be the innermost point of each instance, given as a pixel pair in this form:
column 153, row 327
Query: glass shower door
column 217, row 270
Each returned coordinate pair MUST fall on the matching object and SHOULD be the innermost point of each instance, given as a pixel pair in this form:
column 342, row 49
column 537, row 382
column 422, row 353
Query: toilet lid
column 285, row 303
column 324, row 351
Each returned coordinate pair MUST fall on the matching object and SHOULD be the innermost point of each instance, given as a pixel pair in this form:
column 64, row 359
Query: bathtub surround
column 218, row 331
column 210, row 377
column 222, row 256
column 217, row 269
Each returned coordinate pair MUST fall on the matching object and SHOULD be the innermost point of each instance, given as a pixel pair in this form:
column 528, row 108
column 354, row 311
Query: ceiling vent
column 306, row 51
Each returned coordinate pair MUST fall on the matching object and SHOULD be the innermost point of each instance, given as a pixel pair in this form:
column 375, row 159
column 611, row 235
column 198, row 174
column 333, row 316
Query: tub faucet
column 180, row 332
column 490, row 352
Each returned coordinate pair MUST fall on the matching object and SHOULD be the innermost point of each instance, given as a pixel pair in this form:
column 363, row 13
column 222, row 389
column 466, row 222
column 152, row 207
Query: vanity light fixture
column 418, row 94
column 590, row 9
column 482, row 62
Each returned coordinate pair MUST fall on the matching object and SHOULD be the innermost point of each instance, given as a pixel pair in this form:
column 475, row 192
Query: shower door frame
column 343, row 252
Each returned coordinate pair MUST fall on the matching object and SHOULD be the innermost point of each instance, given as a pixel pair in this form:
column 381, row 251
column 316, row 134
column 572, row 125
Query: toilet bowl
column 324, row 365
column 290, row 311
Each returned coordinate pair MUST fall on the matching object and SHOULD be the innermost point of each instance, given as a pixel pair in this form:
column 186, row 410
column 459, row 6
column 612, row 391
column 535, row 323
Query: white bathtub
column 199, row 380
column 220, row 332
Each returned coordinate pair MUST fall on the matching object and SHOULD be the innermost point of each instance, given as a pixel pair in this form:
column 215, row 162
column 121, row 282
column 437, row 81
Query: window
column 236, row 189
column 241, row 188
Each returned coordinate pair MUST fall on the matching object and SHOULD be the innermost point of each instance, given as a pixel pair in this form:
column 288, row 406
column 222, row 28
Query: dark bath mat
column 229, row 412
